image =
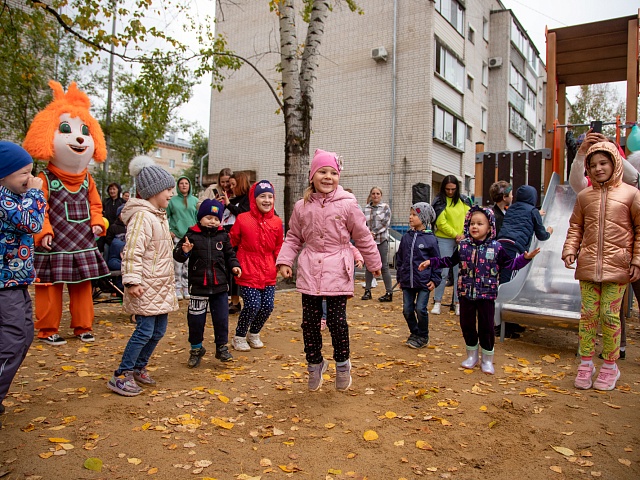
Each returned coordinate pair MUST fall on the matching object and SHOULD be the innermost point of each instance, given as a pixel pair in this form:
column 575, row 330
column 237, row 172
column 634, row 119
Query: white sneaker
column 186, row 294
column 374, row 283
column 458, row 309
column 240, row 344
column 179, row 294
column 436, row 309
column 253, row 339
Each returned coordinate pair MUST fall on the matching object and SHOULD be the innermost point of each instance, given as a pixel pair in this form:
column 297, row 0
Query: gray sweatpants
column 16, row 333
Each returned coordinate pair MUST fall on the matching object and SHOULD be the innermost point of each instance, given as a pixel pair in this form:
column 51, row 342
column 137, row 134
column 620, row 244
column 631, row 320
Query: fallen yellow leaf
column 617, row 407
column 483, row 408
column 45, row 455
column 223, row 399
column 370, row 435
column 624, row 461
column 567, row 452
column 391, row 414
column 59, row 440
column 134, row 461
column 329, row 425
column 94, row 464
column 221, row 423
column 152, row 471
column 422, row 445
column 555, row 468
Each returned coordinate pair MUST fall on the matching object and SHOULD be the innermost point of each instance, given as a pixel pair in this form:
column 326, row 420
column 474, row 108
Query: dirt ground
column 253, row 418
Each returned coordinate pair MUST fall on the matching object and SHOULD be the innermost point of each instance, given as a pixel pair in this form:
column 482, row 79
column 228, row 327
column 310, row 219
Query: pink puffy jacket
column 321, row 230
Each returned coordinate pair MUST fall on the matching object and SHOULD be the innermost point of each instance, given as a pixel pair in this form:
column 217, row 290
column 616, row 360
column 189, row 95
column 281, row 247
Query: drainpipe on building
column 393, row 107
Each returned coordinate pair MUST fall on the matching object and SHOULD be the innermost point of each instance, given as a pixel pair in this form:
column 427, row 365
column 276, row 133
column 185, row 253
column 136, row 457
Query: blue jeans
column 447, row 246
column 414, row 309
column 149, row 331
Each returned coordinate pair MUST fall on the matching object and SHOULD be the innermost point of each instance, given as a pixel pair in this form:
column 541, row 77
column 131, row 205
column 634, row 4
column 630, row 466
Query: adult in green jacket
column 182, row 212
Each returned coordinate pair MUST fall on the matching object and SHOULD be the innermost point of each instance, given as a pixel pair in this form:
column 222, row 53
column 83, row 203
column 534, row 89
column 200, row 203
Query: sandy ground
column 254, row 418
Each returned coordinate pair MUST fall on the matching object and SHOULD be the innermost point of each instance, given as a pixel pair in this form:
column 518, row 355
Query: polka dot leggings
column 336, row 321
column 256, row 308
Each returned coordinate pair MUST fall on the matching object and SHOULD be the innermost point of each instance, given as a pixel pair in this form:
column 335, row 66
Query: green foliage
column 33, row 50
column 597, row 102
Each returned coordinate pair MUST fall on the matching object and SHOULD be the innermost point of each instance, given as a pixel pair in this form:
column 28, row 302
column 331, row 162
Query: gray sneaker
column 315, row 374
column 126, row 386
column 142, row 376
column 343, row 376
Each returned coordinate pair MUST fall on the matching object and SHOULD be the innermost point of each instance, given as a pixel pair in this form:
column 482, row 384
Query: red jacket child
column 258, row 237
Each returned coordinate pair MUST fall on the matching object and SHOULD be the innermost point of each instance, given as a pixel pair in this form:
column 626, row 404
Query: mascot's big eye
column 85, row 130
column 65, row 127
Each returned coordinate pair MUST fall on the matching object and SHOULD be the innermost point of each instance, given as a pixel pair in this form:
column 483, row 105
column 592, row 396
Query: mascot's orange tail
column 39, row 139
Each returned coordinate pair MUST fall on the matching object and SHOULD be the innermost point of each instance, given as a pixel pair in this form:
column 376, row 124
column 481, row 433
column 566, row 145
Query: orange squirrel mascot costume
column 68, row 137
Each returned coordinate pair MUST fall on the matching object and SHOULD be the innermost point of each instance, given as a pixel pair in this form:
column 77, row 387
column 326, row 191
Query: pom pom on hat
column 211, row 207
column 324, row 159
column 263, row 186
column 12, row 158
column 425, row 212
column 150, row 178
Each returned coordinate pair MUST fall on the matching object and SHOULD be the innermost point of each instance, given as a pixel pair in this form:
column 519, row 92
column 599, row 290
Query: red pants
column 49, row 308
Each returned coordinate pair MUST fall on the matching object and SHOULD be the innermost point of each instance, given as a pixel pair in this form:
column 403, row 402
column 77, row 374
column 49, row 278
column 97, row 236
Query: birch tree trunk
column 298, row 78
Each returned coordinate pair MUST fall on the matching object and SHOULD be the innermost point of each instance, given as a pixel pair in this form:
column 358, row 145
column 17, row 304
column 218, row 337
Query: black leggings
column 336, row 321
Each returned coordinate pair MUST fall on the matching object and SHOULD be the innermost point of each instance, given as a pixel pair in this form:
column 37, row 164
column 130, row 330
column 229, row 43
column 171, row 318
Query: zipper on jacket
column 603, row 200
column 413, row 242
column 473, row 273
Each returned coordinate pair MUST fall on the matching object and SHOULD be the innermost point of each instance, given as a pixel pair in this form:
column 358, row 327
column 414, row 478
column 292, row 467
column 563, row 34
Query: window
column 185, row 158
column 172, row 164
column 469, row 135
column 531, row 97
column 517, row 81
column 470, row 82
column 523, row 44
column 448, row 128
column 483, row 120
column 485, row 74
column 158, row 152
column 517, row 124
column 485, row 29
column 453, row 12
column 471, row 34
column 531, row 136
column 449, row 67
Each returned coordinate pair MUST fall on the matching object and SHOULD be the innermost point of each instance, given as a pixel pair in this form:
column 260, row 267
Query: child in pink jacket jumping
column 320, row 229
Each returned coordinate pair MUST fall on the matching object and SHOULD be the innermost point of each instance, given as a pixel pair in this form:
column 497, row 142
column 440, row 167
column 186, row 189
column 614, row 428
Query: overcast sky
column 533, row 16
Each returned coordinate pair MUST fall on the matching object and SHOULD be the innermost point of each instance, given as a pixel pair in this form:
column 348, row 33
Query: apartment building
column 401, row 108
column 173, row 153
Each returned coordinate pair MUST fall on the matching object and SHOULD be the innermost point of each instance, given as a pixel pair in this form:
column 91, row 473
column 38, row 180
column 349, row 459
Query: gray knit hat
column 150, row 178
column 425, row 212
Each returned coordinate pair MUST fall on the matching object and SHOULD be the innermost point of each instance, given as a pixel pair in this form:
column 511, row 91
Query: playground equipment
column 544, row 293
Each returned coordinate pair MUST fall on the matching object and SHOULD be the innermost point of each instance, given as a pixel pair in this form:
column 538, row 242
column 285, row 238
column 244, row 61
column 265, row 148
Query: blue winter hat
column 263, row 186
column 12, row 158
column 119, row 210
column 210, row 207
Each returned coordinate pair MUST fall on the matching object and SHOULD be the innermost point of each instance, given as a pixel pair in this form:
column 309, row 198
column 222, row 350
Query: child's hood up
column 612, row 152
column 527, row 194
column 253, row 206
column 488, row 213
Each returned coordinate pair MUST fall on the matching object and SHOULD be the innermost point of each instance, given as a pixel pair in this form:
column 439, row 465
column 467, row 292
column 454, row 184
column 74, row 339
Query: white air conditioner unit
column 379, row 54
column 495, row 62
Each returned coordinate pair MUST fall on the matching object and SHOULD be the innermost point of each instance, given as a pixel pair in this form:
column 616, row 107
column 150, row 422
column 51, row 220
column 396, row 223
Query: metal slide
column 545, row 293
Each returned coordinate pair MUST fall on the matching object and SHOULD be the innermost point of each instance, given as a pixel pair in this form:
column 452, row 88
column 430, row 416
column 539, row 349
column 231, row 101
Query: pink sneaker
column 607, row 378
column 585, row 374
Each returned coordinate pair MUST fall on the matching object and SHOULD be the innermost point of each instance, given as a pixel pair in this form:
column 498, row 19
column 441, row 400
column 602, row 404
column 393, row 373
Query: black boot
column 387, row 297
column 195, row 355
column 367, row 295
column 223, row 354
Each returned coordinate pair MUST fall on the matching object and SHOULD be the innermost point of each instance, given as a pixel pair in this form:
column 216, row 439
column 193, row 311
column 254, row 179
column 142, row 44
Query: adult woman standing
column 234, row 206
column 378, row 215
column 451, row 208
column 112, row 202
column 182, row 214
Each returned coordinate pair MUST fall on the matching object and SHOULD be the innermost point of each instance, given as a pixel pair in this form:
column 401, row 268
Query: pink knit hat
column 325, row 159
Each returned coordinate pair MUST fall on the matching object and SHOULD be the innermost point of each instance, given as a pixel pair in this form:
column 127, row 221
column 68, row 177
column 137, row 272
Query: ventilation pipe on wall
column 393, row 100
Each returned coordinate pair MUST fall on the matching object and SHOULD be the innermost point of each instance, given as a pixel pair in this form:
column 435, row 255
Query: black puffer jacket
column 210, row 260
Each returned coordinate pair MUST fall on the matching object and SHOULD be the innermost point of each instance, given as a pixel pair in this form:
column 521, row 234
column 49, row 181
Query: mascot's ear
column 58, row 91
column 138, row 163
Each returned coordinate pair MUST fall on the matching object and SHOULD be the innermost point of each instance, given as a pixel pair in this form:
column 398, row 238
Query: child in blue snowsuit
column 417, row 245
